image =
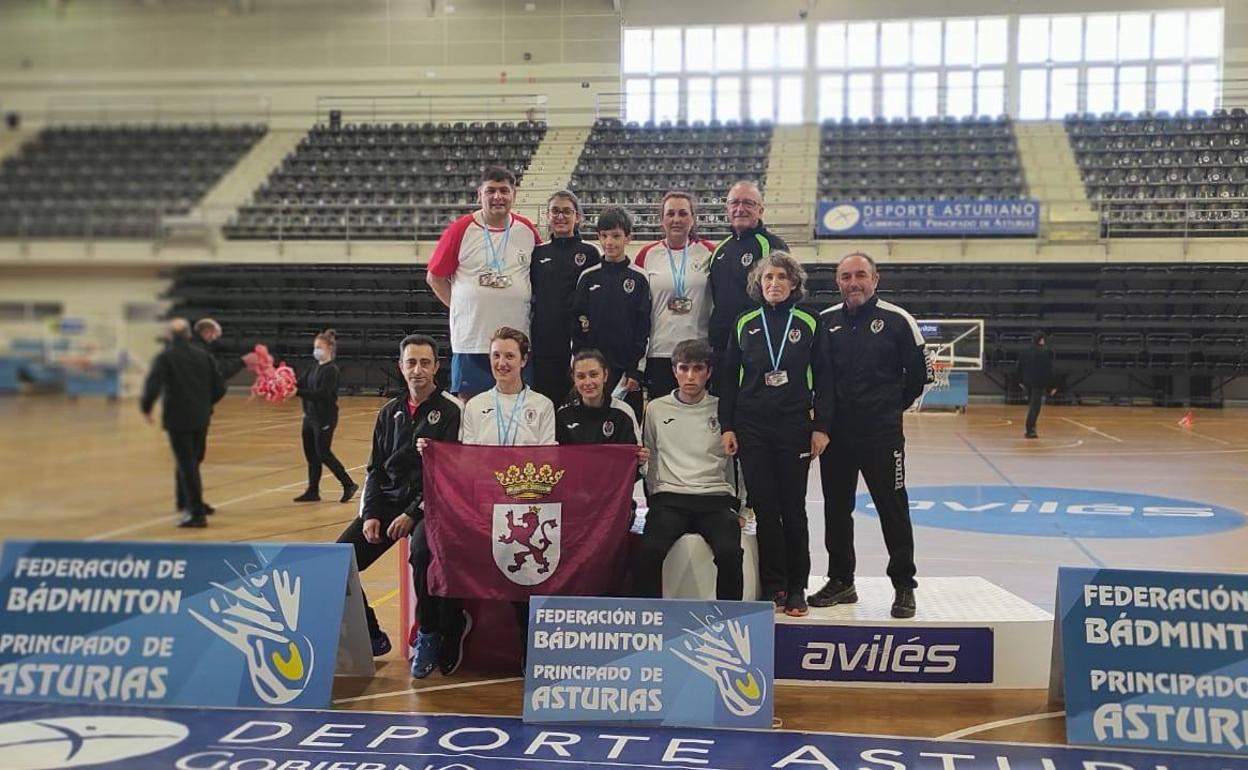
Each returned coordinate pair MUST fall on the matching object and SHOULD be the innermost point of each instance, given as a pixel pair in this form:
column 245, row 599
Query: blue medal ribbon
column 508, row 429
column 678, row 277
column 497, row 257
column 775, row 358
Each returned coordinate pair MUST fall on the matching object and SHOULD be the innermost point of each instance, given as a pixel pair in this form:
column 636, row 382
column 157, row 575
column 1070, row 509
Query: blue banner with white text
column 928, row 218
column 184, row 624
column 1155, row 659
column 59, row 736
column 652, row 662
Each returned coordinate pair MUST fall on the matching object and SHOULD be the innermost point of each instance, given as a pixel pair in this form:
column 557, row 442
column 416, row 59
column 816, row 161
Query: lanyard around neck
column 507, row 429
column 678, row 276
column 775, row 357
column 496, row 255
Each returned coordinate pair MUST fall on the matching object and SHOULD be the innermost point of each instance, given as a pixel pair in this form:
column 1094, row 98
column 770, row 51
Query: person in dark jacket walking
column 775, row 371
column 611, row 309
column 732, row 261
column 206, row 332
column 318, row 388
column 881, row 367
column 188, row 381
column 1035, row 374
column 556, row 266
column 392, row 503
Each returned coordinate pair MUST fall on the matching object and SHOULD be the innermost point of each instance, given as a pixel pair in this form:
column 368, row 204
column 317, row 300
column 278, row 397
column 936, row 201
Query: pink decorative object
column 273, row 383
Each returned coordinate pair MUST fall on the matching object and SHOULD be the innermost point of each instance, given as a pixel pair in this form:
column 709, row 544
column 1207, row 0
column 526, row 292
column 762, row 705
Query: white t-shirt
column 463, row 254
column 491, row 418
column 668, row 328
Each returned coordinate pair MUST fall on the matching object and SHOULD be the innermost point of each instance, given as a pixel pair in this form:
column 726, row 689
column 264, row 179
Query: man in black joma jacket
column 392, row 506
column 881, row 367
column 189, row 382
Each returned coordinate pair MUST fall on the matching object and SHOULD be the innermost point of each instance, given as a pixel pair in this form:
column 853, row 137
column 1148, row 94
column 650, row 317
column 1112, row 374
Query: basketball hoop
column 940, row 374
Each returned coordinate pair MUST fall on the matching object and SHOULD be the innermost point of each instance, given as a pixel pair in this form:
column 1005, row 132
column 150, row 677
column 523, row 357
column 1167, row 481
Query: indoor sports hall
column 1016, row 171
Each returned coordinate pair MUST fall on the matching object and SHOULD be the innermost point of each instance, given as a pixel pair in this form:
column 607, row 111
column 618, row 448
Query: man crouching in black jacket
column 392, row 506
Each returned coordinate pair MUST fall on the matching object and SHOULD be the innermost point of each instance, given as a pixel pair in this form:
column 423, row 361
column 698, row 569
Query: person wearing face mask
column 392, row 503
column 318, row 389
column 775, row 370
column 734, row 258
column 556, row 266
column 882, row 367
column 676, row 268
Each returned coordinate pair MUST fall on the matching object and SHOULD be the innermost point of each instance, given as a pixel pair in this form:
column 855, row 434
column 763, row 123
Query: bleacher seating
column 382, row 182
column 633, row 165
column 114, row 181
column 1115, row 330
column 913, row 159
column 1158, row 175
column 284, row 306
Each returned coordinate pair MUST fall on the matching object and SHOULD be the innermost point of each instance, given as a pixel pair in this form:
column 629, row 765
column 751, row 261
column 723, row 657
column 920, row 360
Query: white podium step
column 967, row 632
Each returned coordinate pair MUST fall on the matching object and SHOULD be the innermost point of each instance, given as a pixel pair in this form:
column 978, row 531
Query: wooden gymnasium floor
column 92, row 469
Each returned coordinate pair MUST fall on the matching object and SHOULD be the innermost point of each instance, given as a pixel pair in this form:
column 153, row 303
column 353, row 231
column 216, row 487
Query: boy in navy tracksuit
column 611, row 309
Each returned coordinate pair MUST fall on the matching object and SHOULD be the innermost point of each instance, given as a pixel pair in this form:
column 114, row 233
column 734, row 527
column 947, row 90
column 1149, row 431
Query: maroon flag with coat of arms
column 510, row 522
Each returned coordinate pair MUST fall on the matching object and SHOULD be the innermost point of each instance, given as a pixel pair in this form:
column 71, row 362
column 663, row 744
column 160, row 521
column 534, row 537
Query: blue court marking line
column 1074, row 540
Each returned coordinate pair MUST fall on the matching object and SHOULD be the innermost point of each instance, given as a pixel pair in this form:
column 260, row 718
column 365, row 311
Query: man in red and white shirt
column 480, row 270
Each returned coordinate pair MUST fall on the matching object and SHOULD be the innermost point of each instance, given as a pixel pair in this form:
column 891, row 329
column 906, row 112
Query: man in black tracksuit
column 1035, row 373
column 611, row 307
column 190, row 384
column 881, row 368
column 556, row 266
column 731, row 263
column 392, row 505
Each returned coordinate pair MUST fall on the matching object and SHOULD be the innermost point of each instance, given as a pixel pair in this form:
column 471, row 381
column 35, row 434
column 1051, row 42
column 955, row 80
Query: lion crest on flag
column 526, row 537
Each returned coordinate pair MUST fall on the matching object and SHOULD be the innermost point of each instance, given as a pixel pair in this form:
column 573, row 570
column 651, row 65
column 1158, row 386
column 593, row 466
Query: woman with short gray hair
column 775, row 370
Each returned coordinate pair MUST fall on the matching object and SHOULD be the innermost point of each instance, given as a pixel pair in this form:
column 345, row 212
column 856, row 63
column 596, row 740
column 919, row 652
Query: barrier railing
column 416, row 108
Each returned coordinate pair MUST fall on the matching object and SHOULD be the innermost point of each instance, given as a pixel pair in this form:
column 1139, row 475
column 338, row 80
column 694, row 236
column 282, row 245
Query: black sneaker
column 381, row 644
column 903, row 603
column 778, row 599
column 795, row 606
column 348, row 492
column 835, row 591
column 209, row 510
column 451, row 653
column 192, row 522
column 1030, row 434
column 309, row 497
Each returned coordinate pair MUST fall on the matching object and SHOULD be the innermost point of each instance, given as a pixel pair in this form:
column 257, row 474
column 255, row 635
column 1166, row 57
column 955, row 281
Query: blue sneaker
column 425, row 654
column 381, row 644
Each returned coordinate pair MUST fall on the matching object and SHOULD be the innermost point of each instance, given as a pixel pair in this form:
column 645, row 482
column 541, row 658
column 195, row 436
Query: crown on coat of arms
column 530, row 483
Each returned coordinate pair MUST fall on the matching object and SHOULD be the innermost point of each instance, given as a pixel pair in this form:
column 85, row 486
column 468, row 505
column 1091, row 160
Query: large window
column 721, row 73
column 1122, row 62
column 909, row 68
column 917, row 68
